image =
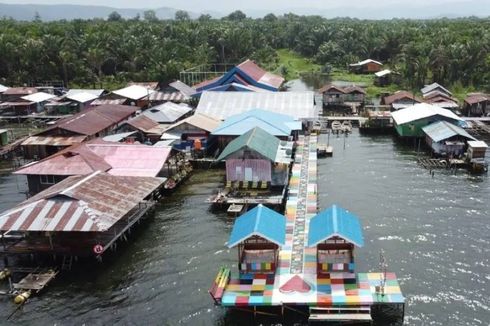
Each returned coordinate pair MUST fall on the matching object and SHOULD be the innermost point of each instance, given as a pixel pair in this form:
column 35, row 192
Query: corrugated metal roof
column 94, row 120
column 53, row 140
column 365, row 62
column 434, row 86
column 38, row 97
column 82, row 97
column 167, row 112
column 134, row 92
column 420, row 111
column 260, row 75
column 20, row 91
column 478, row 143
column 114, row 158
column 222, row 105
column 335, row 222
column 477, row 98
column 118, row 137
column 201, row 121
column 257, row 140
column 168, row 96
column 259, row 221
column 443, row 130
column 142, row 123
column 183, row 88
column 94, row 92
column 92, row 203
column 151, row 84
column 274, row 123
column 106, row 101
column 401, row 95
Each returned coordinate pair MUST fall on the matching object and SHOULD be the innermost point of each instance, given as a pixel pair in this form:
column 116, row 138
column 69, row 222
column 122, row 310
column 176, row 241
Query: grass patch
column 294, row 64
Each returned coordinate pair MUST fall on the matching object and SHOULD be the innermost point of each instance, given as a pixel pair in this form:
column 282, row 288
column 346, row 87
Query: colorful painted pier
column 304, row 261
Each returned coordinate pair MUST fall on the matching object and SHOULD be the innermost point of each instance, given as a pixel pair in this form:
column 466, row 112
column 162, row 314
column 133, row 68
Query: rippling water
column 435, row 233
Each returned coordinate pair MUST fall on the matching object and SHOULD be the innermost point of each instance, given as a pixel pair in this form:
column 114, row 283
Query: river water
column 434, row 231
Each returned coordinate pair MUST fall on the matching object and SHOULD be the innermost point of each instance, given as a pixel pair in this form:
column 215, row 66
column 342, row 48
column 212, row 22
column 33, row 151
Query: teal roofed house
column 447, row 139
column 256, row 159
column 409, row 122
column 280, row 125
column 258, row 234
column 335, row 231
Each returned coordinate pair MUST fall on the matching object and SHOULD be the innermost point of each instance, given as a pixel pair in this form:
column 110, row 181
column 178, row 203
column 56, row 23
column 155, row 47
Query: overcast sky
column 228, row 5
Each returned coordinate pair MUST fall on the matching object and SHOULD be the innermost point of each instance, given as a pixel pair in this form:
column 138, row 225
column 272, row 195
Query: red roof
column 93, row 120
column 142, row 122
column 354, row 89
column 329, row 87
column 260, row 75
column 400, row 95
column 344, row 90
column 477, row 98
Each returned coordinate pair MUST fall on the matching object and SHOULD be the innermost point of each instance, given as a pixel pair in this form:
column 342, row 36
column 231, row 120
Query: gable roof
column 257, row 140
column 201, row 121
column 353, row 89
column 335, row 222
column 476, row 98
column 365, row 62
column 434, row 86
column 142, row 123
column 246, row 73
column 259, row 221
column 382, row 73
column 183, row 88
column 273, row 123
column 221, row 105
column 421, row 111
column 399, row 95
column 38, row 97
column 81, row 97
column 133, row 92
column 92, row 203
column 3, row 88
column 95, row 119
column 167, row 112
column 328, row 87
column 113, row 158
column 442, row 130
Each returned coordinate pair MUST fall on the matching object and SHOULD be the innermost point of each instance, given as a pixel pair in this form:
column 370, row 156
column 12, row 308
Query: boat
column 346, row 127
column 336, row 126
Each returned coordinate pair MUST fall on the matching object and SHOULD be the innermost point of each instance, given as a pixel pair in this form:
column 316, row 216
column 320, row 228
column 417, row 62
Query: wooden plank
column 340, row 317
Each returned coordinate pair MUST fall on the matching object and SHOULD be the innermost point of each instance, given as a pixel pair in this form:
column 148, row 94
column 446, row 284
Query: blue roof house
column 280, row 125
column 258, row 234
column 335, row 232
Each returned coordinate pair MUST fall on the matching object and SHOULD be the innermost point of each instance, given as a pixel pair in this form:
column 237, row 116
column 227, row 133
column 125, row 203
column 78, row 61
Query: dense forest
column 83, row 53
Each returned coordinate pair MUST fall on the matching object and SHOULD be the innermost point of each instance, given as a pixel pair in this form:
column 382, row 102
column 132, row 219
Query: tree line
column 87, row 52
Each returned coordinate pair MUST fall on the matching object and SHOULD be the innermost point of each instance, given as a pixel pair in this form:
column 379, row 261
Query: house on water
column 280, row 125
column 83, row 159
column 89, row 124
column 367, row 66
column 400, row 100
column 335, row 232
column 40, row 98
column 409, row 122
column 258, row 234
column 146, row 129
column 257, row 169
column 476, row 156
column 476, row 105
column 80, row 216
column 348, row 97
column 446, row 139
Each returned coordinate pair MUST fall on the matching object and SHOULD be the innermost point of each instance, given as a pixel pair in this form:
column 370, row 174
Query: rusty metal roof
column 399, row 95
column 142, row 123
column 168, row 96
column 20, row 91
column 94, row 120
column 92, row 203
column 53, row 140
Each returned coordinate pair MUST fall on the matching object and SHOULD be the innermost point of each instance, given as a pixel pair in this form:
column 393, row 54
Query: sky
column 229, row 5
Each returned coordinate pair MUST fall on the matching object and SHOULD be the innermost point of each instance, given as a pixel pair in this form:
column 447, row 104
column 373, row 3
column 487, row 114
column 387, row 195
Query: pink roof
column 260, row 75
column 114, row 158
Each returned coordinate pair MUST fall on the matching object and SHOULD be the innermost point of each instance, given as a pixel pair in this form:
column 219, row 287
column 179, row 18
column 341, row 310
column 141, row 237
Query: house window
column 47, row 179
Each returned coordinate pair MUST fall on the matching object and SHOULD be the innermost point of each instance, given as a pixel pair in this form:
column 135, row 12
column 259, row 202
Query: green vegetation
column 294, row 64
column 453, row 52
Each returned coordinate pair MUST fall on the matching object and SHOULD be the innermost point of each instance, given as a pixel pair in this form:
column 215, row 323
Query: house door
column 248, row 174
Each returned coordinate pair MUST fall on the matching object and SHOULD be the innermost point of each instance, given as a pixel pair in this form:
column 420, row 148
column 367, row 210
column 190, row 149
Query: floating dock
column 296, row 284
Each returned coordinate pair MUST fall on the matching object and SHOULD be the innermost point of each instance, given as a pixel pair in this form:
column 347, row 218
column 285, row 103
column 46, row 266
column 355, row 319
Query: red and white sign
column 98, row 249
